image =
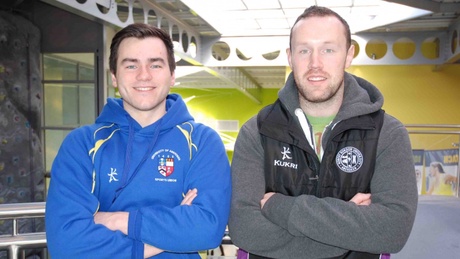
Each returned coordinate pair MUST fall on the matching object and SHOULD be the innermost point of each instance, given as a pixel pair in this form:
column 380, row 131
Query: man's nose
column 144, row 74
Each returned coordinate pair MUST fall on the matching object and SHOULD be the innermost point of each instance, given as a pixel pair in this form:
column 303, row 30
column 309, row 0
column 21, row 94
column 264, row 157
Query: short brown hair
column 319, row 11
column 140, row 31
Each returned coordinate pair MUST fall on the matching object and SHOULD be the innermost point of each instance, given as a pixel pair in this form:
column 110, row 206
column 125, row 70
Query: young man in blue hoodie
column 146, row 179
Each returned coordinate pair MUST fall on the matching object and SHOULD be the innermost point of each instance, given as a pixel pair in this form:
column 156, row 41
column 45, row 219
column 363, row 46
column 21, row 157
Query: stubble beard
column 332, row 90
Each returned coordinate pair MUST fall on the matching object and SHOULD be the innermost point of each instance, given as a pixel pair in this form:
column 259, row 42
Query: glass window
column 87, row 104
column 69, row 104
column 69, row 97
column 57, row 69
column 68, row 66
column 86, row 72
column 53, row 140
column 60, row 105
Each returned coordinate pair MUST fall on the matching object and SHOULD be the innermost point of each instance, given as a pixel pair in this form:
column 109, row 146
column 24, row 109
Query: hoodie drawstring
column 305, row 127
column 129, row 148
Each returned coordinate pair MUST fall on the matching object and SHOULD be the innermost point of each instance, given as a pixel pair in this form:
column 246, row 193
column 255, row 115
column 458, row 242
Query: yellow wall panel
column 422, row 94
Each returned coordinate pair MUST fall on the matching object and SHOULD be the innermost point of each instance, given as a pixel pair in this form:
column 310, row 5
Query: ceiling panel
column 254, row 14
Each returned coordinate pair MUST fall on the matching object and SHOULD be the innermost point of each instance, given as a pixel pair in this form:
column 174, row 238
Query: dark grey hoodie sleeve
column 251, row 230
column 382, row 227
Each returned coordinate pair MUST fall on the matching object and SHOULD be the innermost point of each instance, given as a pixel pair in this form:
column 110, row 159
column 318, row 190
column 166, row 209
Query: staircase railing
column 17, row 242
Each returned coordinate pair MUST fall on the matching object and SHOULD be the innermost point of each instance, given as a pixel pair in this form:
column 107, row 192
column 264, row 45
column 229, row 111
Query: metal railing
column 17, row 242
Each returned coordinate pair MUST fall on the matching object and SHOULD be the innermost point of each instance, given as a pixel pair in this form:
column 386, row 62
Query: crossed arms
column 119, row 221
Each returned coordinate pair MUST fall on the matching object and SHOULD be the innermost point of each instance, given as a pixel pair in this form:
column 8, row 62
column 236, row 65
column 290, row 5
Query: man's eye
column 328, row 50
column 131, row 67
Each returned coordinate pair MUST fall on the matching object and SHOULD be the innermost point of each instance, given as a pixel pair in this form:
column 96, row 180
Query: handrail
column 435, row 128
column 15, row 242
column 27, row 209
column 432, row 126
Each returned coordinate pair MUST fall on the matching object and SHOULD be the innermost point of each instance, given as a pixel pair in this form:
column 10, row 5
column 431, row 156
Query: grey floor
column 436, row 231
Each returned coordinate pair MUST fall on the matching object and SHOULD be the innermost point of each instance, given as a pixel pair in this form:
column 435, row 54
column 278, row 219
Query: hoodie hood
column 114, row 113
column 360, row 97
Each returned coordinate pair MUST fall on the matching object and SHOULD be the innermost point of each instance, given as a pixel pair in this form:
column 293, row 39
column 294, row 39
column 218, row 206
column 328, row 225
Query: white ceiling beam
column 433, row 6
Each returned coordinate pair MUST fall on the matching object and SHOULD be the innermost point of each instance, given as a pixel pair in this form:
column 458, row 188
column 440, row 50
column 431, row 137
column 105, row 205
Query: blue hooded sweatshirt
column 116, row 165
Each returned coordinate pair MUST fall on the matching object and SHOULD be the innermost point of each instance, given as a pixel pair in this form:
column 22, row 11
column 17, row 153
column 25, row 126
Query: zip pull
column 314, row 178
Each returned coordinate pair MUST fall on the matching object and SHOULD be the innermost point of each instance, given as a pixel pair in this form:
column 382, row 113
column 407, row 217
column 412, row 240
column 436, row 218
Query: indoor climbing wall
column 21, row 160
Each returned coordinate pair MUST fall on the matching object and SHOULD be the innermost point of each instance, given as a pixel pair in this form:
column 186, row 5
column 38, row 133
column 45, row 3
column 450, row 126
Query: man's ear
column 350, row 56
column 288, row 53
column 114, row 79
column 173, row 78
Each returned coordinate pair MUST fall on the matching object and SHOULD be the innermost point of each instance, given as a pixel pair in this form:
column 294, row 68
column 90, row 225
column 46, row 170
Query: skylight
column 233, row 18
